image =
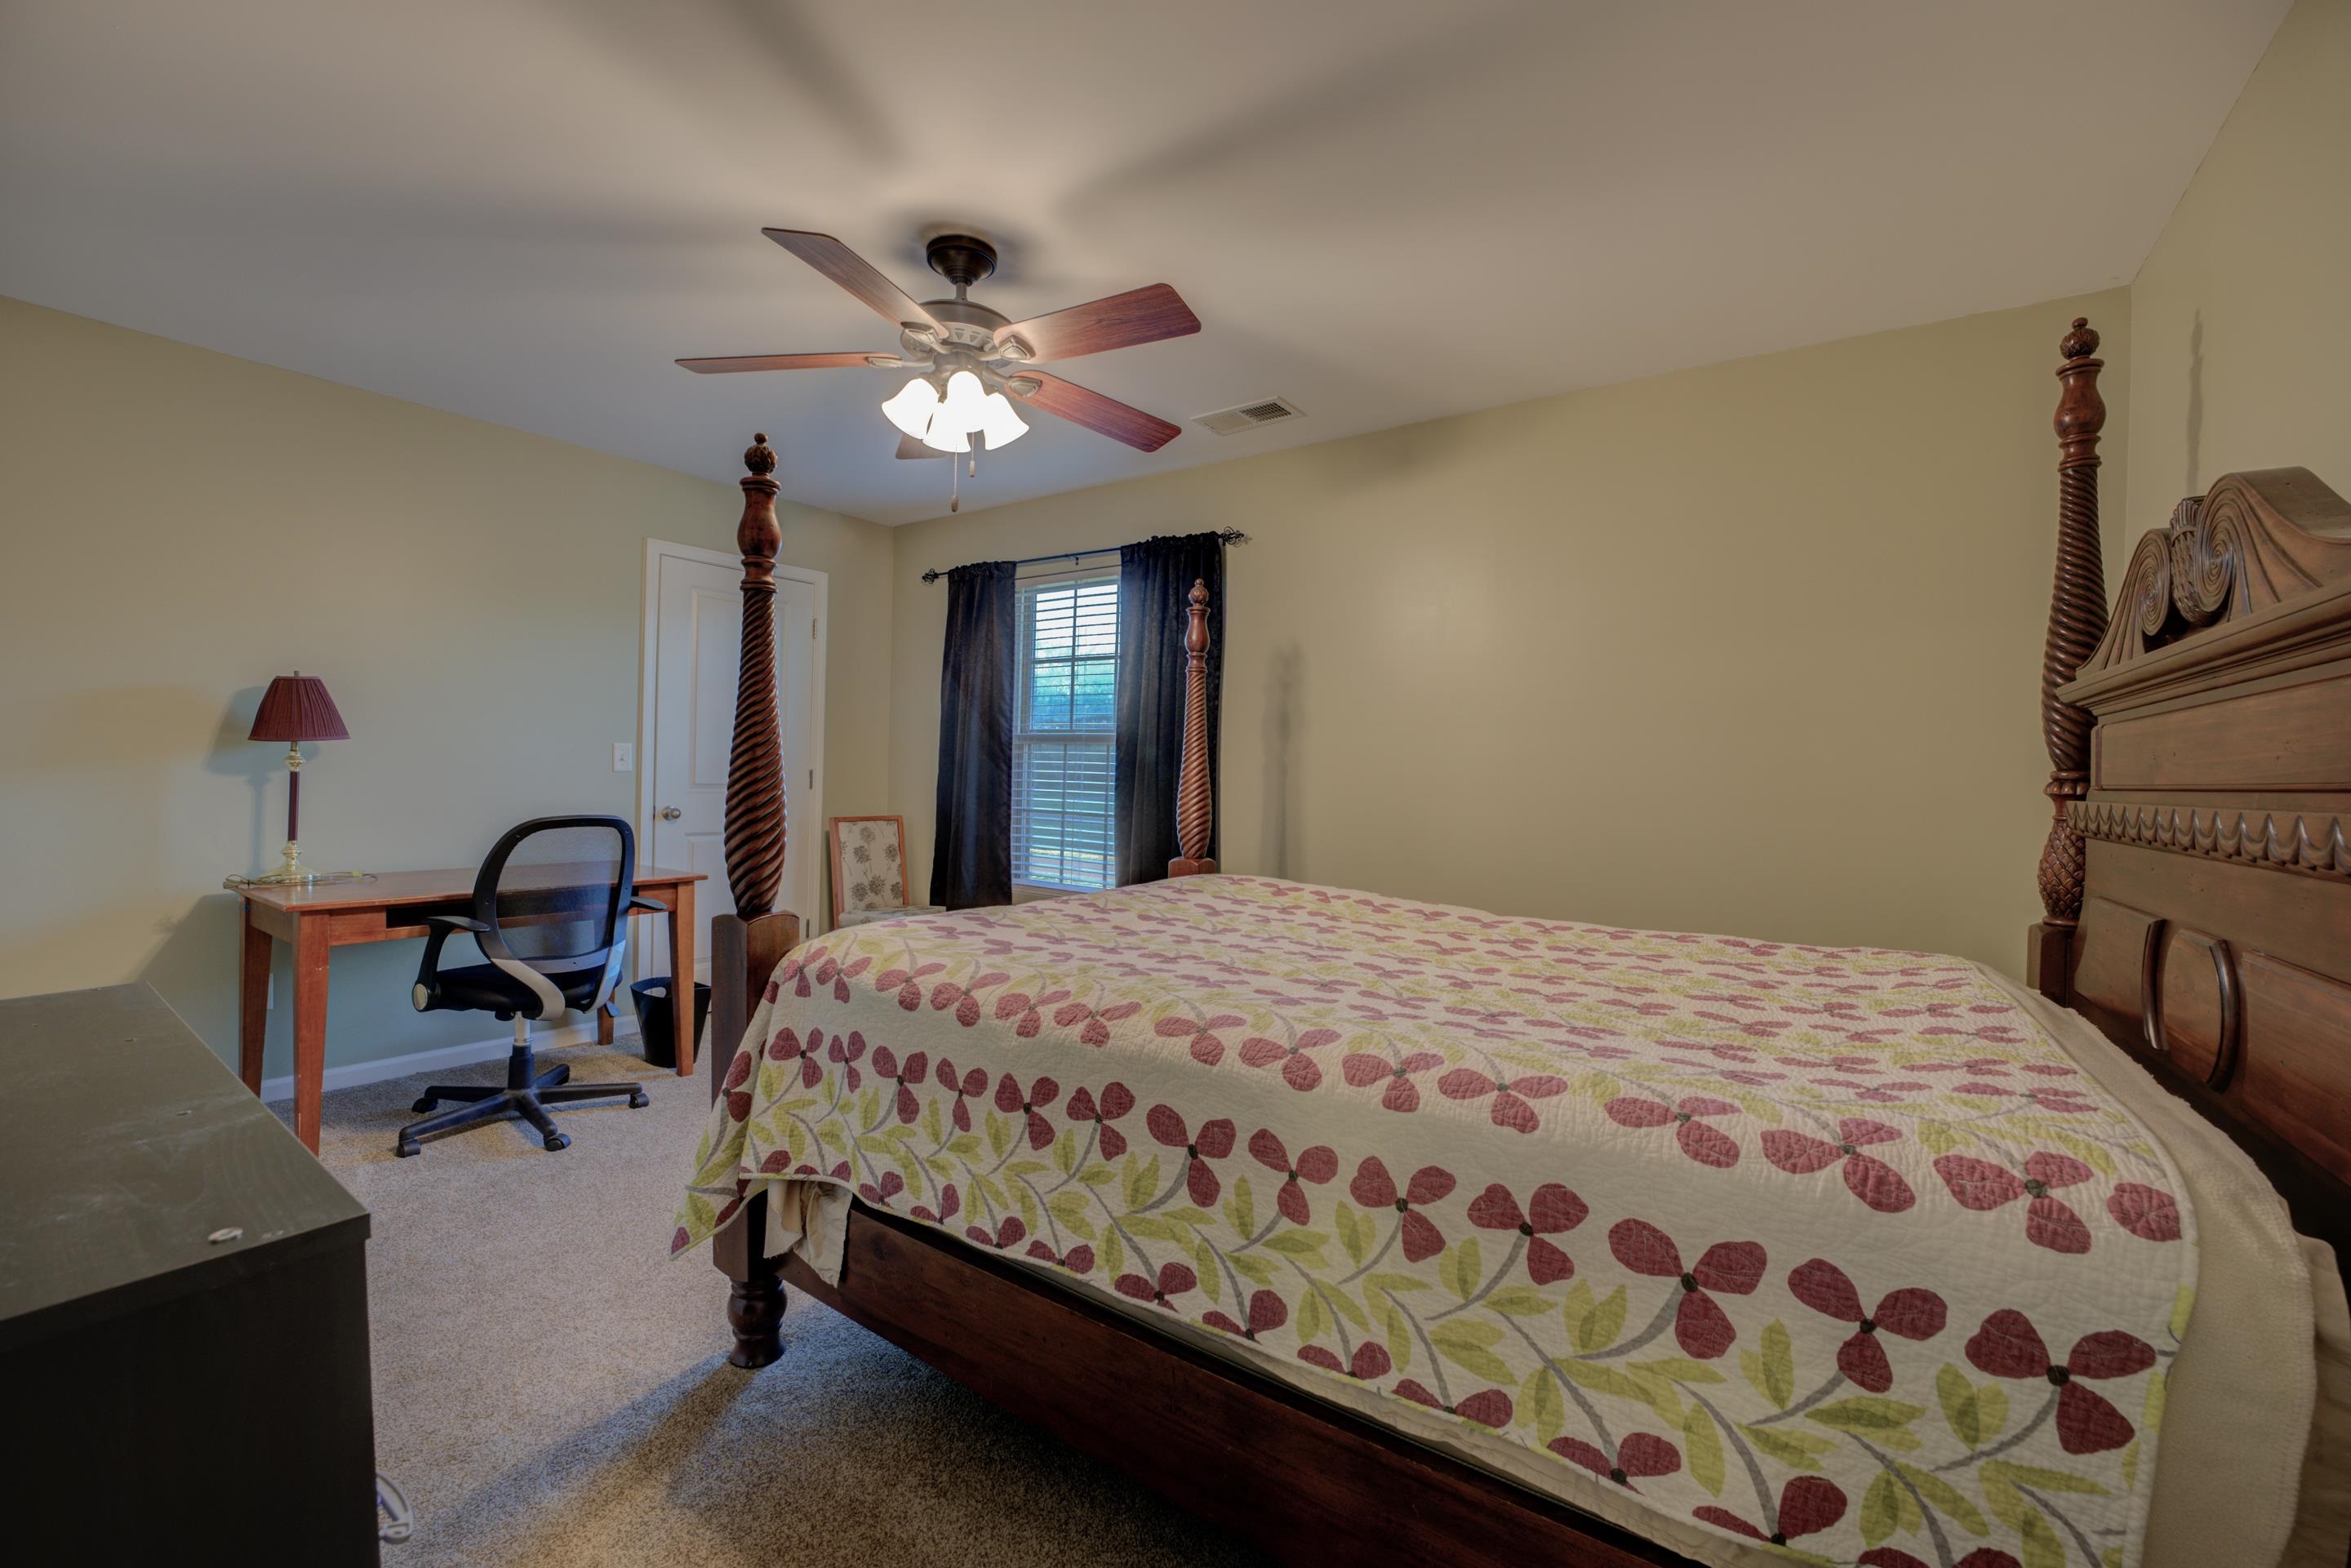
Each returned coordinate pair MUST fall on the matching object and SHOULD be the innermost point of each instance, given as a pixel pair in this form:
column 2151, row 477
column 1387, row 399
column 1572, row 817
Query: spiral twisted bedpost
column 746, row 945
column 1195, row 806
column 2077, row 623
column 755, row 769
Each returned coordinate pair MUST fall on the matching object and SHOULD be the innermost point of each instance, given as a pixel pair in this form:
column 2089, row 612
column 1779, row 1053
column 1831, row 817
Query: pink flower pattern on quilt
column 1498, row 1171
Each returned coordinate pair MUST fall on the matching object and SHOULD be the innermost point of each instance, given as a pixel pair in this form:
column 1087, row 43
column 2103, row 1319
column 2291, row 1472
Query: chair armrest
column 428, row 971
column 640, row 902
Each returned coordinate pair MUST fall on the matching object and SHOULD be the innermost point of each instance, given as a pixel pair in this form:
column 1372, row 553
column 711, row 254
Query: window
column 1065, row 829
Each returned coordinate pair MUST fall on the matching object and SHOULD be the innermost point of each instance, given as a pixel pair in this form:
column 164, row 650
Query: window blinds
column 1063, row 820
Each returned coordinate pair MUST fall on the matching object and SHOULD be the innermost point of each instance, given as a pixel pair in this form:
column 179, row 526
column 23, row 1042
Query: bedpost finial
column 759, row 457
column 1200, row 594
column 2081, row 342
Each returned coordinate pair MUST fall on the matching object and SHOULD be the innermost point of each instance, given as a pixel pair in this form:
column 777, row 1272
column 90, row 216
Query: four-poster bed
column 2196, row 912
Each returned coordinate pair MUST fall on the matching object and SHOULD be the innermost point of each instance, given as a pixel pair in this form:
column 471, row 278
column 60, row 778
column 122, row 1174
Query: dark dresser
column 184, row 1342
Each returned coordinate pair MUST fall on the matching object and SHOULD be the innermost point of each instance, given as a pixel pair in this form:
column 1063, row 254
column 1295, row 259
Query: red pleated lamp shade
column 297, row 707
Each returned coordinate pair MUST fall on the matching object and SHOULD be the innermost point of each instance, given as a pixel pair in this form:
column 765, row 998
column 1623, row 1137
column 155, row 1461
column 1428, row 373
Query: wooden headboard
column 2202, row 747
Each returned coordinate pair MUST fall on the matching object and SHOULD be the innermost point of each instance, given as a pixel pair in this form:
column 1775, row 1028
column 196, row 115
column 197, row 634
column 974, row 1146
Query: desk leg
column 252, row 1000
column 681, row 963
column 309, row 1026
column 604, row 1024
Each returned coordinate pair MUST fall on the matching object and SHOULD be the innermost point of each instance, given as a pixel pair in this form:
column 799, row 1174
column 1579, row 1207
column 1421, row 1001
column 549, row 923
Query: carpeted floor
column 552, row 1390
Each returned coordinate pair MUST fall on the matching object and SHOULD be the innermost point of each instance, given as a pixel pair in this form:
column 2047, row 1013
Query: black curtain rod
column 1230, row 536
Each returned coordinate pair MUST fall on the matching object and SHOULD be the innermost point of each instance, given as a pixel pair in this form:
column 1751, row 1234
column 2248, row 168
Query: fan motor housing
column 962, row 259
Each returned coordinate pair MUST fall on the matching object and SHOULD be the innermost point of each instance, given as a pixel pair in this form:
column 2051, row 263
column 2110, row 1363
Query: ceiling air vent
column 1249, row 415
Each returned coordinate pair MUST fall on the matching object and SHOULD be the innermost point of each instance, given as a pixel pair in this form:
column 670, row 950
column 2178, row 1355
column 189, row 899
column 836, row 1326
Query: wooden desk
column 316, row 919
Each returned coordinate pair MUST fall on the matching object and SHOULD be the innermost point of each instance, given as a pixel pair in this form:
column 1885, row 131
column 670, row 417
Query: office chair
column 551, row 907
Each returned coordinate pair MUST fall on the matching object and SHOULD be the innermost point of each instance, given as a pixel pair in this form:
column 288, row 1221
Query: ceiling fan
column 967, row 359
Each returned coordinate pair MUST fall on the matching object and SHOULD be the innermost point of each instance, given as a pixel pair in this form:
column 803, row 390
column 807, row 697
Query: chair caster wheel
column 423, row 1105
column 558, row 1141
column 637, row 1101
column 408, row 1148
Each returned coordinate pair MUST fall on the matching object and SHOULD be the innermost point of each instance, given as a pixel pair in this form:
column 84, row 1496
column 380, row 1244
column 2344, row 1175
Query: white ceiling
column 1385, row 210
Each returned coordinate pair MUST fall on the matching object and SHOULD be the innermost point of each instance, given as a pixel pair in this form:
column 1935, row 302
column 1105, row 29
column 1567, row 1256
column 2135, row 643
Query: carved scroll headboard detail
column 2252, row 541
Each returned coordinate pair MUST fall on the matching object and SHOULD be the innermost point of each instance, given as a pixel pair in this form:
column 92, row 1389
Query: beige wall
column 181, row 526
column 1752, row 648
column 2241, row 315
column 1749, row 648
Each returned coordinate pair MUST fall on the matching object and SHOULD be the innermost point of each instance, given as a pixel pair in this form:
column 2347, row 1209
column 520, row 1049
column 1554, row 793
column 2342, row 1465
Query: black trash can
column 657, row 1026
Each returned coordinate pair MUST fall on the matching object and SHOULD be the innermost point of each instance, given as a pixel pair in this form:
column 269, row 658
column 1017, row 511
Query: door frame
column 813, row 871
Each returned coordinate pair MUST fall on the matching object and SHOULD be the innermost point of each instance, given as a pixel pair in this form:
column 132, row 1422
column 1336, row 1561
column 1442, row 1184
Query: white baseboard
column 376, row 1072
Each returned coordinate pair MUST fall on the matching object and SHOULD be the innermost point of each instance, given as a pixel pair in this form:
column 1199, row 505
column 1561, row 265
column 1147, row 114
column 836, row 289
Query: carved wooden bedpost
column 1196, row 808
column 2077, row 623
column 745, row 946
column 755, row 769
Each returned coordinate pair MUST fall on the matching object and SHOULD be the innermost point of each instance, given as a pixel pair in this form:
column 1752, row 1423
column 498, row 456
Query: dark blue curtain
column 1154, row 585
column 971, row 850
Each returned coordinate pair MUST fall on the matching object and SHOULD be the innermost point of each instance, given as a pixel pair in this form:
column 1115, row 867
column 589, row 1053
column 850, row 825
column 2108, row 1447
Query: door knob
column 671, row 814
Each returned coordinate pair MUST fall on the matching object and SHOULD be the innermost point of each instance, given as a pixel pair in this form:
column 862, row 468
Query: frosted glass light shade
column 999, row 422
column 912, row 409
column 966, row 400
column 945, row 437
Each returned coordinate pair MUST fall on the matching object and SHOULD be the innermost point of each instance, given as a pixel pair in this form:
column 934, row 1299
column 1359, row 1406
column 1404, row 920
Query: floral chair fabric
column 869, row 880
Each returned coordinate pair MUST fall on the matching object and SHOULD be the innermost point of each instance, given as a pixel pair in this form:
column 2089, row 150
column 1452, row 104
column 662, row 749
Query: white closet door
column 694, row 645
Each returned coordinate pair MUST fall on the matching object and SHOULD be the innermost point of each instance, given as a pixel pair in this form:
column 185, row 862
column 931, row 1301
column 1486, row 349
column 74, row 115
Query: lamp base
column 293, row 872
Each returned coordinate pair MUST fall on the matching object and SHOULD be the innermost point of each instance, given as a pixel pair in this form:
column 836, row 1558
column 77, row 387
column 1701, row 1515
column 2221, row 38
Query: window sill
column 1031, row 892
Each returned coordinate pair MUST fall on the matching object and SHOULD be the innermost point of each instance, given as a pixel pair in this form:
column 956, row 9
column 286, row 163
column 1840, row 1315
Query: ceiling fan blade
column 732, row 364
column 857, row 275
column 1103, row 416
column 910, row 448
column 1123, row 320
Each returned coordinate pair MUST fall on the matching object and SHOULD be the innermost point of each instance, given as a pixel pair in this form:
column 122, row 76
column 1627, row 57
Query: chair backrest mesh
column 558, row 893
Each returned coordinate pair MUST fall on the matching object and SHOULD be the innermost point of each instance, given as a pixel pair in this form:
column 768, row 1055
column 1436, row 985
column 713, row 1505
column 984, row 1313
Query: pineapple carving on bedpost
column 2077, row 623
column 1194, row 805
column 745, row 946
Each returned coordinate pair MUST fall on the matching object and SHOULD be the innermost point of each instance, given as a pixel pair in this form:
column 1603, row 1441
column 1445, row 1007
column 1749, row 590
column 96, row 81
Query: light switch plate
column 624, row 756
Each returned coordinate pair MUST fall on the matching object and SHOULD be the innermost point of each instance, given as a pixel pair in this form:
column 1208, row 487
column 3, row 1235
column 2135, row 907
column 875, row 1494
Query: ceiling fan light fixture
column 945, row 437
column 965, row 409
column 1000, row 424
column 966, row 360
column 912, row 409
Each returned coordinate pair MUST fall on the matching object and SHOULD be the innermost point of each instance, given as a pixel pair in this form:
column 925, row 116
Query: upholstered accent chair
column 868, row 870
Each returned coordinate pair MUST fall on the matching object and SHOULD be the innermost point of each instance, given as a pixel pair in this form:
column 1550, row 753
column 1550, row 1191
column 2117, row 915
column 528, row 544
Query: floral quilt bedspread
column 1830, row 1248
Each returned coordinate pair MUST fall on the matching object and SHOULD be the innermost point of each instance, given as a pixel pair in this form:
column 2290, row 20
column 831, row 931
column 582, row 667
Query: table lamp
column 294, row 709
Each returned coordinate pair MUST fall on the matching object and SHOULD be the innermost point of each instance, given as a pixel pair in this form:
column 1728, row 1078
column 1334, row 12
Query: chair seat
column 485, row 988
column 862, row 917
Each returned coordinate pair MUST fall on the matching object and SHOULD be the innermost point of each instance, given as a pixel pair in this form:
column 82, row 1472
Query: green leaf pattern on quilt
column 1832, row 1249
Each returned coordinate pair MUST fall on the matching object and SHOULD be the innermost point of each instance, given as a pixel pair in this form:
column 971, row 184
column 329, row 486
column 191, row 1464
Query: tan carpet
column 552, row 1390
